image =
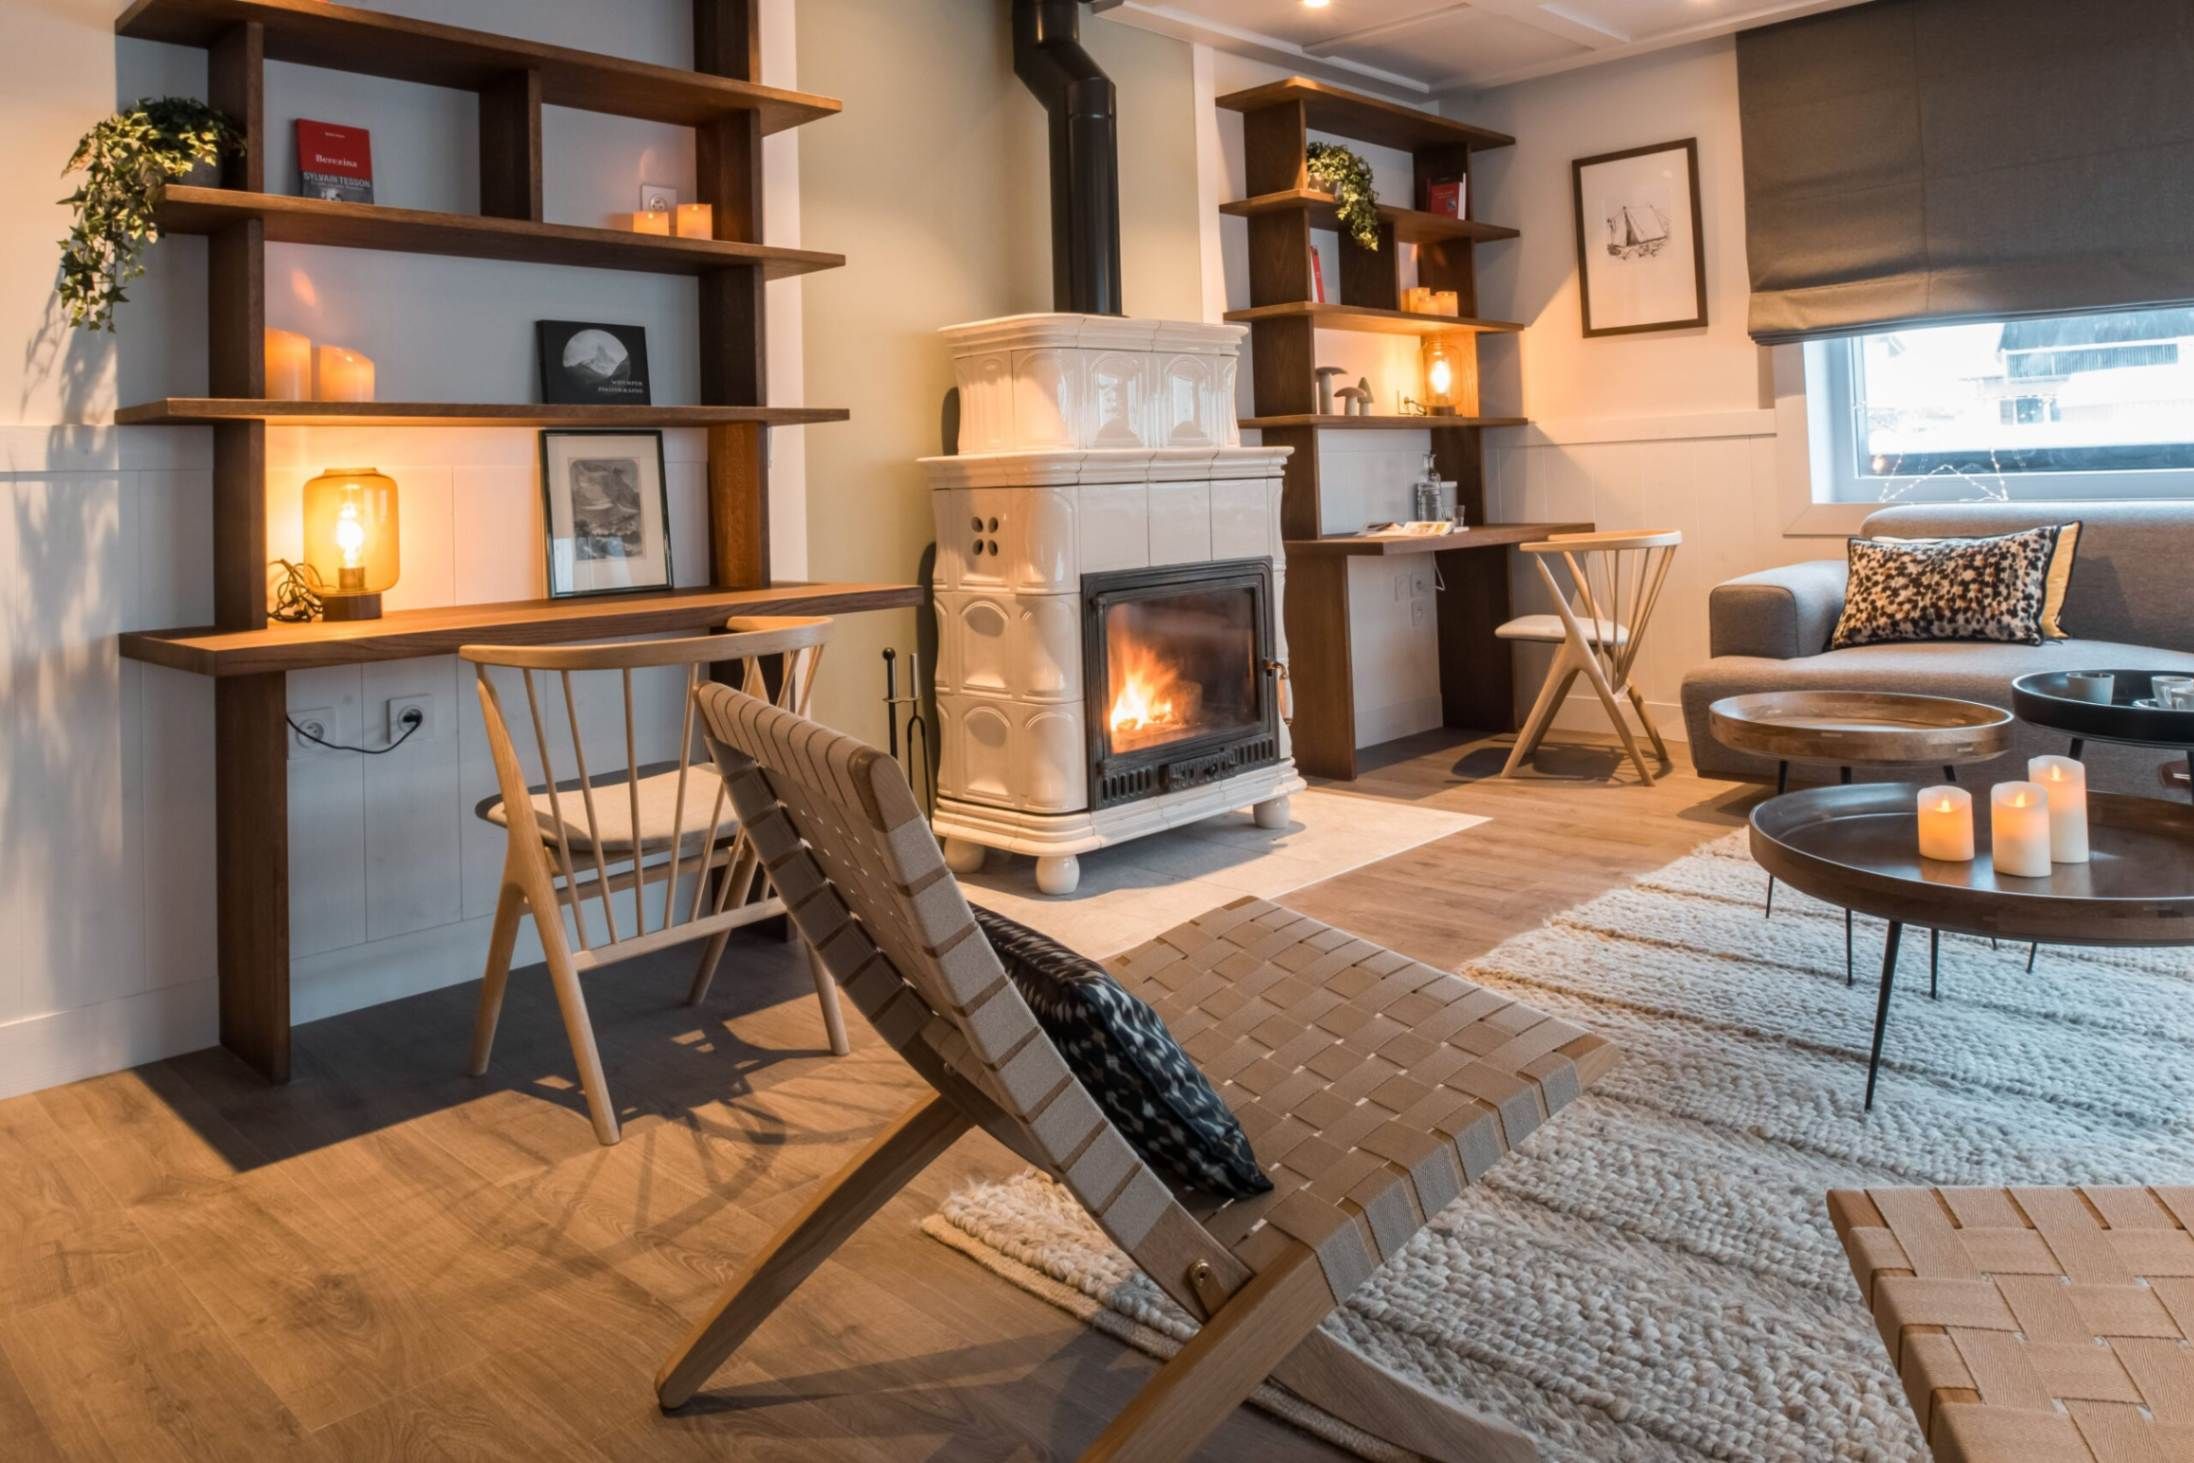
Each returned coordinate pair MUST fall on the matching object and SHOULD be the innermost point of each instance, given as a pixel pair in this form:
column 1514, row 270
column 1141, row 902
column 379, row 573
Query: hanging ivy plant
column 1348, row 178
column 127, row 162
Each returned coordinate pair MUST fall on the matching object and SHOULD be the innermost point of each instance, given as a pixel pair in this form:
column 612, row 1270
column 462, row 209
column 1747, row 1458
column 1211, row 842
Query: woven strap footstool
column 2034, row 1325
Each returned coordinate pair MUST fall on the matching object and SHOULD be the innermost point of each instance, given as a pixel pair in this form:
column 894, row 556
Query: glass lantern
column 351, row 540
column 1445, row 387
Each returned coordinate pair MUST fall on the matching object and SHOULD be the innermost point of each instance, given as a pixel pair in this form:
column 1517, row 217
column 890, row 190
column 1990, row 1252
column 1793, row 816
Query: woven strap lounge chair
column 1372, row 1088
column 2043, row 1325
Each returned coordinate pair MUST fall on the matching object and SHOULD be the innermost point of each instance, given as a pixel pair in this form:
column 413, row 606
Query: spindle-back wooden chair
column 1599, row 622
column 577, row 843
column 1372, row 1089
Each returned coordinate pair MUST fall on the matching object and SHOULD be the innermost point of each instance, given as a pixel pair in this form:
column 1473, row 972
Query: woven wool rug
column 1653, row 1274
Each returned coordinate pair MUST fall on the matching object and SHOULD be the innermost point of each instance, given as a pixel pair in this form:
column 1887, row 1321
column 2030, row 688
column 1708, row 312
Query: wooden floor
column 387, row 1259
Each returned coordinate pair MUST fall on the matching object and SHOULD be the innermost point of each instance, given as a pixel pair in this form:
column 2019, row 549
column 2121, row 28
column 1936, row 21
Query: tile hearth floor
column 388, row 1259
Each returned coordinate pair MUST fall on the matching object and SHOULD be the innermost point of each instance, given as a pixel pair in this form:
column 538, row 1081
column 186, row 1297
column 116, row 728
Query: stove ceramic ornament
column 1090, row 445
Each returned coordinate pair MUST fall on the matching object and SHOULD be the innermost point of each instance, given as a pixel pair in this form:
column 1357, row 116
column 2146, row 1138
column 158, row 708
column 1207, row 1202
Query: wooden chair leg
column 1221, row 1365
column 862, row 1187
column 572, row 1003
column 826, row 995
column 509, row 907
column 1645, row 719
column 1329, row 1376
column 704, row 974
column 1559, row 677
column 1606, row 693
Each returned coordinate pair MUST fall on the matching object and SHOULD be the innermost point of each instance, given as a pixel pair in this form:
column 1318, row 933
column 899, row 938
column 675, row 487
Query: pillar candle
column 696, row 221
column 341, row 375
column 2018, row 829
column 651, row 221
column 289, row 366
column 2065, row 782
column 1946, row 824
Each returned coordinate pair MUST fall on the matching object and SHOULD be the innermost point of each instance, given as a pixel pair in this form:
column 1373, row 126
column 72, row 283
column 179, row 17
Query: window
column 2067, row 406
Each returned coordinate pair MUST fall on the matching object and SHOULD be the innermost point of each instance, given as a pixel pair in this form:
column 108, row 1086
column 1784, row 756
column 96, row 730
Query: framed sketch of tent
column 1641, row 250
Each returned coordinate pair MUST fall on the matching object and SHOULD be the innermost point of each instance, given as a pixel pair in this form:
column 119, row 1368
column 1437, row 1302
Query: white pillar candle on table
column 340, row 374
column 1946, row 824
column 2018, row 829
column 696, row 221
column 2065, row 781
column 289, row 366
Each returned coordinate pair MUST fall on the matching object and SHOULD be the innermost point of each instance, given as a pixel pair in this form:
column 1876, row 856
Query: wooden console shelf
column 1364, row 119
column 1410, row 226
column 210, row 411
column 472, row 236
column 371, row 43
column 1328, row 421
column 1371, row 318
column 402, row 634
column 1484, row 536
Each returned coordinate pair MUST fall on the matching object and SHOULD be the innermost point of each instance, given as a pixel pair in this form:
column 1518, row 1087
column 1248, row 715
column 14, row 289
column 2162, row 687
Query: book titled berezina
column 335, row 163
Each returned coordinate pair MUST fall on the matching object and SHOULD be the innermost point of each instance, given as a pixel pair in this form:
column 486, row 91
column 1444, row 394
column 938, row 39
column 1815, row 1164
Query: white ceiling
column 1425, row 47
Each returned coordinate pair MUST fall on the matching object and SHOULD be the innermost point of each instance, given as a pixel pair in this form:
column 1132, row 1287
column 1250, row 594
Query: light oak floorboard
column 390, row 1258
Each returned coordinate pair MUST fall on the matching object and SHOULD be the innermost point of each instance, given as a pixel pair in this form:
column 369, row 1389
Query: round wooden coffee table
column 1859, row 847
column 1847, row 729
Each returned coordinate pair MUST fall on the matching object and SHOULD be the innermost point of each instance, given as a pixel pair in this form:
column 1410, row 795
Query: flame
column 1149, row 691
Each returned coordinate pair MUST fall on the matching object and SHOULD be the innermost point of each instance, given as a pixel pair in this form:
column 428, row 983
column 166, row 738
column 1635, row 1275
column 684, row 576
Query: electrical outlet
column 399, row 708
column 320, row 721
column 1401, row 585
column 1416, row 612
column 1420, row 583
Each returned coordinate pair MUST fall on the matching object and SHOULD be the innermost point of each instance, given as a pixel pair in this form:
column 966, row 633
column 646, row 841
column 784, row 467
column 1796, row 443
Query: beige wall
column 934, row 184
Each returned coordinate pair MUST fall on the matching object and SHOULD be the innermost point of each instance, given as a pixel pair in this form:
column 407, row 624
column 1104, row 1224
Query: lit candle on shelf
column 289, row 366
column 696, row 221
column 651, row 221
column 2065, row 783
column 2018, row 829
column 341, row 375
column 1946, row 824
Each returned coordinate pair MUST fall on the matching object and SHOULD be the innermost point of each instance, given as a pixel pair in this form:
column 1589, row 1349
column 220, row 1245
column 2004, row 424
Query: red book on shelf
column 1317, row 279
column 1446, row 198
column 334, row 162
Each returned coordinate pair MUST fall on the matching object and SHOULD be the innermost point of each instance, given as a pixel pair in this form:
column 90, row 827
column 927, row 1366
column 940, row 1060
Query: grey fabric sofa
column 2130, row 605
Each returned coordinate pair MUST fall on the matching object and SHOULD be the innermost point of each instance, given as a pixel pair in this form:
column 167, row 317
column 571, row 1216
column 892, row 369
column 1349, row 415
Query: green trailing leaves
column 1348, row 178
column 127, row 162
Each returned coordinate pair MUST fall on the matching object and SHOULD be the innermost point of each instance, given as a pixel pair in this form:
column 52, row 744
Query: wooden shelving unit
column 1282, row 211
column 721, row 97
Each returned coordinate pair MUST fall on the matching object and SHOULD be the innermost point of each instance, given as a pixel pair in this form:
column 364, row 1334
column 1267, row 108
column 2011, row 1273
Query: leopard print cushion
column 1948, row 589
column 1126, row 1059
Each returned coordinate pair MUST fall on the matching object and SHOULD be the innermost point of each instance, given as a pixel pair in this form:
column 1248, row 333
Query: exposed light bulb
column 350, row 535
column 1316, row 4
column 1442, row 376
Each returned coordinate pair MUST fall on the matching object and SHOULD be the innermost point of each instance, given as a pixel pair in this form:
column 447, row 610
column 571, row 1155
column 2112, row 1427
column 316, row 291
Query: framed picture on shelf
column 593, row 365
column 607, row 512
column 1641, row 251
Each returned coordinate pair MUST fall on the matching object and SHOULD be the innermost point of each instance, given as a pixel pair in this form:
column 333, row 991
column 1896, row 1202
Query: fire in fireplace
column 1179, row 668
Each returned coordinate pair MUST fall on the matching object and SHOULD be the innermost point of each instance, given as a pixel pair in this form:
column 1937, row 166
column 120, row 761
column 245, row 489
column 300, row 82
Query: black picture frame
column 1697, row 318
column 576, row 573
column 611, row 366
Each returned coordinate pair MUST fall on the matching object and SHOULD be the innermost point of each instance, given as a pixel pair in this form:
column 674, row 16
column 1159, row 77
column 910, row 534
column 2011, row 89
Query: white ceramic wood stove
column 1111, row 659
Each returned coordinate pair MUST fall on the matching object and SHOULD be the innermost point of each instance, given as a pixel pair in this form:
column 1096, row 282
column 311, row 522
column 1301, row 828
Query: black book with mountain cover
column 593, row 365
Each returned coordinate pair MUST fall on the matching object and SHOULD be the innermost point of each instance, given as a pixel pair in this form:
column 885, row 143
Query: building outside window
column 2094, row 406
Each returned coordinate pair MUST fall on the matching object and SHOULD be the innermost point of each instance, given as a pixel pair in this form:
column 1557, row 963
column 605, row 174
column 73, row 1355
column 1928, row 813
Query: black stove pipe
column 1085, row 153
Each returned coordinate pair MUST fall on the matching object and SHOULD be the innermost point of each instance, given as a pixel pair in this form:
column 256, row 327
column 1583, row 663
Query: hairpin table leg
column 1934, row 959
column 1881, row 1009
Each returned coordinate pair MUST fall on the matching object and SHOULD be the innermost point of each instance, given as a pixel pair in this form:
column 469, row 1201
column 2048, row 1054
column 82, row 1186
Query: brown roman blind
column 1912, row 161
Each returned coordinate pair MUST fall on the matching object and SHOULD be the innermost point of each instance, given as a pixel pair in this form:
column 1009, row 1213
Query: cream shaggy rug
column 1132, row 890
column 1653, row 1275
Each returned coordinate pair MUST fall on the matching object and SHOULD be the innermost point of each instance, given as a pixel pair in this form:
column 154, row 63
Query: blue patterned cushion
column 1127, row 1060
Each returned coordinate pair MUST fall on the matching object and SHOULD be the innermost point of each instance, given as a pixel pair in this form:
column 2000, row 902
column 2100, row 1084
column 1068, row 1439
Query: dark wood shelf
column 1410, row 226
column 405, row 633
column 1371, row 319
column 1365, row 119
column 1484, row 536
column 473, row 236
column 370, row 43
column 207, row 411
column 1335, row 422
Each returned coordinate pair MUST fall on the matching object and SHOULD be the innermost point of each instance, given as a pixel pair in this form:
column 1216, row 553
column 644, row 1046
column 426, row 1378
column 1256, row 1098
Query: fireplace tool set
column 906, row 728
